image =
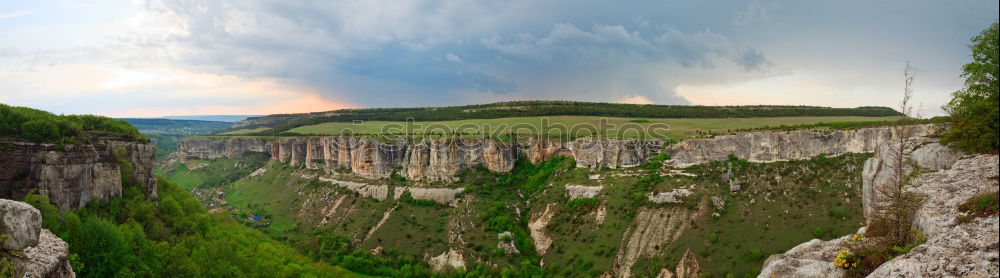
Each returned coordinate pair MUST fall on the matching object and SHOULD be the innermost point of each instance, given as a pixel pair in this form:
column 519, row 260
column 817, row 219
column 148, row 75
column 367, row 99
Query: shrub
column 839, row 213
column 818, row 232
column 581, row 204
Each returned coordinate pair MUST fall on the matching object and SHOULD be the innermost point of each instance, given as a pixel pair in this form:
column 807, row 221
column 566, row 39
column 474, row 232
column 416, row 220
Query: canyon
column 439, row 160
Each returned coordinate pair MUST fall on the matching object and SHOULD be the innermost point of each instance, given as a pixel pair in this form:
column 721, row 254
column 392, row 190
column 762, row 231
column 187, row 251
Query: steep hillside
column 553, row 211
column 96, row 210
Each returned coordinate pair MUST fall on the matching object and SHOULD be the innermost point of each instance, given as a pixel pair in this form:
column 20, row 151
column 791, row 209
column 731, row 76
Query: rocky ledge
column 953, row 248
column 785, row 146
column 73, row 175
column 40, row 253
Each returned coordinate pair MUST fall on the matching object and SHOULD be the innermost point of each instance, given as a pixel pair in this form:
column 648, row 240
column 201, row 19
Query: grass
column 679, row 128
column 812, row 200
column 980, row 205
column 216, row 172
column 245, row 131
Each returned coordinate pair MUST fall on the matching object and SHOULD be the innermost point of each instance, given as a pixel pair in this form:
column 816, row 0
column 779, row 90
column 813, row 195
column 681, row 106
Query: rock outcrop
column 880, row 171
column 784, row 146
column 41, row 253
column 582, row 191
column 73, row 175
column 953, row 248
column 427, row 160
column 654, row 229
column 21, row 223
column 811, row 259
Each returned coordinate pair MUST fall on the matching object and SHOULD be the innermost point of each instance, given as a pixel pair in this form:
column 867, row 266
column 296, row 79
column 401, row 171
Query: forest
column 41, row 126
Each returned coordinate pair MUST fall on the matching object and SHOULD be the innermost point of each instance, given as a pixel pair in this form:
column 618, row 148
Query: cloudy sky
column 155, row 58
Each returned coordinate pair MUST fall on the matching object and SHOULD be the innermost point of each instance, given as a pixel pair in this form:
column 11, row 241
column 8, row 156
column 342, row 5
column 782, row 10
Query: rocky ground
column 33, row 251
column 953, row 248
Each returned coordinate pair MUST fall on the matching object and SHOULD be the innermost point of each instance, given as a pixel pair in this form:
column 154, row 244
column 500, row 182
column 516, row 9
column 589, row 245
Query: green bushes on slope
column 174, row 236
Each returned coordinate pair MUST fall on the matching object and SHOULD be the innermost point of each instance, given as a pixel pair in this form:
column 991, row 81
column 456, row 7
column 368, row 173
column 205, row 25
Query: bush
column 581, row 204
column 818, row 232
column 753, row 255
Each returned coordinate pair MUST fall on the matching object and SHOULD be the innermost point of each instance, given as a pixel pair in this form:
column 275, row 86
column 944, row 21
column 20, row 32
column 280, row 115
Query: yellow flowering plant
column 846, row 260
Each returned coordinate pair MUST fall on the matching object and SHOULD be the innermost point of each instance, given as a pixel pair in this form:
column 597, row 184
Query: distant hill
column 176, row 127
column 214, row 118
column 282, row 122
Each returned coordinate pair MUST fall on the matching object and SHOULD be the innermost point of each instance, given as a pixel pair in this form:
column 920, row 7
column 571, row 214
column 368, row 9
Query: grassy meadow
column 572, row 126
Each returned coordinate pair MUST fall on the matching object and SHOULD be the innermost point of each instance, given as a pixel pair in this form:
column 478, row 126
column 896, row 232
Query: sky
column 213, row 57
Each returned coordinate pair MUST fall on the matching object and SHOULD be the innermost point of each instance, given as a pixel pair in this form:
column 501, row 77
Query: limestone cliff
column 73, row 175
column 784, row 146
column 427, row 160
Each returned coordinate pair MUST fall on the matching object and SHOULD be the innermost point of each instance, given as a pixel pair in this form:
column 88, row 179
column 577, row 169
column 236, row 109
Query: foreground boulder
column 33, row 251
column 47, row 259
column 21, row 223
column 953, row 248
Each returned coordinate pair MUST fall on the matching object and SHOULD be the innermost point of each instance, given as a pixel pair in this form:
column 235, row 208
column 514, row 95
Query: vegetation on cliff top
column 282, row 122
column 571, row 127
column 41, row 126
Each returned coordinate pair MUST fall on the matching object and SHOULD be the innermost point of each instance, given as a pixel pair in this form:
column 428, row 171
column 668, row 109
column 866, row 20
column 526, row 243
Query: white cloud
column 15, row 14
column 451, row 57
column 635, row 100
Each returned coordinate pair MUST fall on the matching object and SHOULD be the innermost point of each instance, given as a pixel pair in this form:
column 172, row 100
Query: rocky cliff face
column 428, row 160
column 784, row 146
column 953, row 248
column 920, row 152
column 41, row 253
column 74, row 175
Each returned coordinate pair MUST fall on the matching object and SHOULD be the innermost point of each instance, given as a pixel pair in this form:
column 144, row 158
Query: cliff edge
column 75, row 174
column 953, row 248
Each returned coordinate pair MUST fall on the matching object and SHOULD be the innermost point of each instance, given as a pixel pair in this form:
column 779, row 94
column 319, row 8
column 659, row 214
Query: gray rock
column 880, row 171
column 21, row 223
column 811, row 259
column 784, row 146
column 74, row 175
column 952, row 249
column 47, row 259
column 427, row 160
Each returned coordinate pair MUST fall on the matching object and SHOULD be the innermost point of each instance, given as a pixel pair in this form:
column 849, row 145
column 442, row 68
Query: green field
column 574, row 126
column 245, row 131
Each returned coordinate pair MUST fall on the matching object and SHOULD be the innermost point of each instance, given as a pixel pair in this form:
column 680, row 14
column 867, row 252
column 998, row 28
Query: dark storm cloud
column 429, row 51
